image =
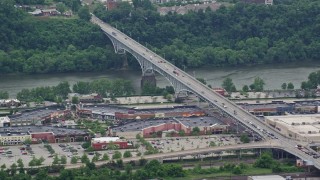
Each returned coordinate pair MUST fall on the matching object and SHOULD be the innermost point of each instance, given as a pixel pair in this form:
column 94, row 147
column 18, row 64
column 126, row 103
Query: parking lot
column 169, row 144
column 38, row 150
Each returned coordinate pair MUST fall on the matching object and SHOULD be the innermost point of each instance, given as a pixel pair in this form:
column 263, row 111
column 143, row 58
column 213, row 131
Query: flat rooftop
column 307, row 125
column 33, row 115
column 190, row 122
column 264, row 106
column 199, row 121
column 113, row 109
column 35, row 129
column 139, row 125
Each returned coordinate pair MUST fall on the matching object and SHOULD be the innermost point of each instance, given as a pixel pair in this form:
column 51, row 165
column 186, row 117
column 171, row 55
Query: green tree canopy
column 228, row 85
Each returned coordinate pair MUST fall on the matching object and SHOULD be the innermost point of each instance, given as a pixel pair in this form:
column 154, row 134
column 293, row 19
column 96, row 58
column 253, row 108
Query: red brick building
column 103, row 142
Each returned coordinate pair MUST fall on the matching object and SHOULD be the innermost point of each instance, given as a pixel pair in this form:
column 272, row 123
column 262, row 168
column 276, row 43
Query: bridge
column 183, row 82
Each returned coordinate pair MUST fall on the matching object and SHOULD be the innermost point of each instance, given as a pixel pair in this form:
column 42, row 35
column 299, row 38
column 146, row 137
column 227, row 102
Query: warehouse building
column 104, row 142
column 299, row 127
column 4, row 121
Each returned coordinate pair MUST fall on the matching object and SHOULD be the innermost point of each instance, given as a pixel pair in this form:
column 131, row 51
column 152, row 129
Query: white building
column 299, row 127
column 4, row 121
column 267, row 177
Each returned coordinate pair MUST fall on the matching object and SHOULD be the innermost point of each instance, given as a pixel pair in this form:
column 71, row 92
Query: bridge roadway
column 205, row 92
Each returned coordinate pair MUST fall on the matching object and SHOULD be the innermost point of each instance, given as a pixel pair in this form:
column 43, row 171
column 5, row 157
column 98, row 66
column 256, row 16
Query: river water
column 273, row 75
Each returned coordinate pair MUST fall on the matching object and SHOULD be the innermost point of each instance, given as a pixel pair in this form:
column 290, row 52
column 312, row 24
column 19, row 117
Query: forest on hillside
column 243, row 34
column 45, row 45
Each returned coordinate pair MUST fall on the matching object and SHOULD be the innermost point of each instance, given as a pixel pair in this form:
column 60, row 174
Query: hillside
column 243, row 34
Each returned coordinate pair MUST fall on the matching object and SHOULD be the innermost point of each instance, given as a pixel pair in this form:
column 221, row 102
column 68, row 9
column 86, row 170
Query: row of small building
column 280, row 108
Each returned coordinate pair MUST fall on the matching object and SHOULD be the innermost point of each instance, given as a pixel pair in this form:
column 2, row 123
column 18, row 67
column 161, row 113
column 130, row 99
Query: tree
column 95, row 158
column 84, row 158
column 4, row 95
column 265, row 161
column 62, row 89
column 257, row 84
column 244, row 138
column 13, row 169
column 228, row 85
column 182, row 133
column 245, row 88
column 284, row 86
column 3, row 167
column 75, row 100
column 55, row 159
column 195, row 131
column 237, row 170
column 27, row 141
column 290, row 86
column 116, row 155
column 85, row 145
column 61, row 7
column 84, row 13
column 105, row 157
column 40, row 161
column 20, row 165
column 42, row 174
column 63, row 160
column 74, row 160
column 202, row 81
column 127, row 154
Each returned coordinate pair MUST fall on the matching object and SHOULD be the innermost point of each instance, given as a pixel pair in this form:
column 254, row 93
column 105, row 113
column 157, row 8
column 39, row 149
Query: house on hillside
column 189, row 7
column 267, row 2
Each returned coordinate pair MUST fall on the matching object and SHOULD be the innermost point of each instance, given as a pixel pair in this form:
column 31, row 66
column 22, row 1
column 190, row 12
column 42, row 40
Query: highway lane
column 205, row 92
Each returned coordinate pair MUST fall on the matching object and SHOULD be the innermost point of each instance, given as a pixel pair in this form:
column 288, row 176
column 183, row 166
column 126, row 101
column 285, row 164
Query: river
column 273, row 75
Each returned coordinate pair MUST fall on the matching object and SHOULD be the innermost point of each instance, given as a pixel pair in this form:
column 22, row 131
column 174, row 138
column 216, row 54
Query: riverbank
column 273, row 76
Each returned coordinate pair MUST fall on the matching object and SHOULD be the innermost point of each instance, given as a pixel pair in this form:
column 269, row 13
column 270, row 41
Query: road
column 205, row 92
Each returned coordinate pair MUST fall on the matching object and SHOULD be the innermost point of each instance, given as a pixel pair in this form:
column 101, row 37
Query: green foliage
column 242, row 34
column 105, row 87
column 41, row 94
column 75, row 100
column 212, row 144
column 63, row 160
column 49, row 148
column 73, row 4
column 4, row 95
column 127, row 154
column 117, row 155
column 265, row 161
column 86, row 145
column 202, row 81
column 13, row 168
column 105, row 157
column 84, row 13
column 36, row 162
column 284, row 86
column 74, row 160
column 182, row 133
column 20, row 165
column 55, row 159
column 84, row 158
column 244, row 138
column 195, row 131
column 245, row 88
column 313, row 81
column 228, row 85
column 61, row 7
column 290, row 86
column 257, row 85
